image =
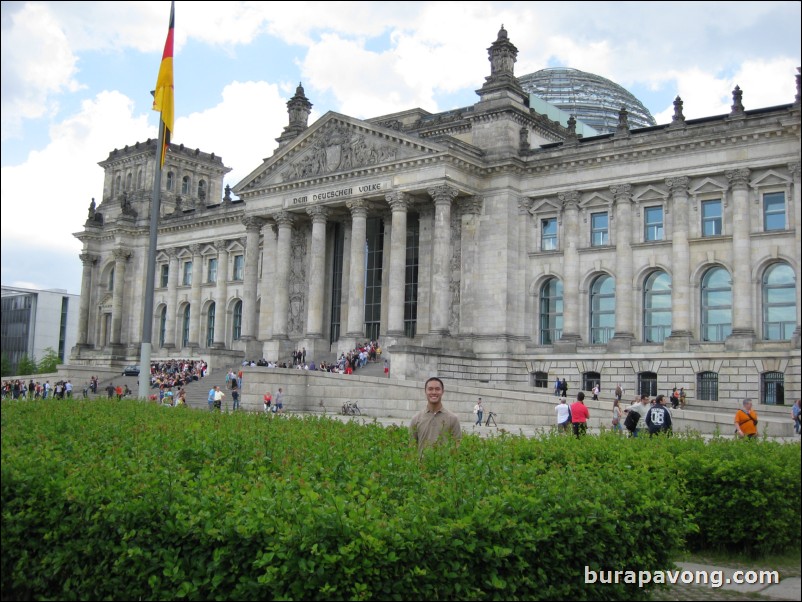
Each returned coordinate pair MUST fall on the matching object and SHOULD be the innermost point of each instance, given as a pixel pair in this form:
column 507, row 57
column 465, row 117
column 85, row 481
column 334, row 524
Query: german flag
column 163, row 100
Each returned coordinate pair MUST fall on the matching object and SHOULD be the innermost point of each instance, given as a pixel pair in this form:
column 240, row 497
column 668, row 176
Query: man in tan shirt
column 435, row 423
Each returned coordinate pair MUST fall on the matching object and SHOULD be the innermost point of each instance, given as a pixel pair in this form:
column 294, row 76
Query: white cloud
column 36, row 63
column 66, row 174
column 241, row 129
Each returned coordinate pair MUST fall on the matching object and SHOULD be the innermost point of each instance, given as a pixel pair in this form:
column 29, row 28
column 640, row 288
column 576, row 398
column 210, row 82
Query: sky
column 77, row 76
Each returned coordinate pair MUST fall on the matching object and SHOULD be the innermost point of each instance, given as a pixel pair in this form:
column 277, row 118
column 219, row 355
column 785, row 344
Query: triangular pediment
column 708, row 186
column 547, row 205
column 770, row 178
column 333, row 145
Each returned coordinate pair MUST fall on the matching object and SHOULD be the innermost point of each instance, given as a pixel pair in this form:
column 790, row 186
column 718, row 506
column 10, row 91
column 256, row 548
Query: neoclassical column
column 356, row 277
column 120, row 259
column 221, row 294
column 622, row 197
column 442, row 196
column 399, row 203
column 681, row 301
column 742, row 289
column 253, row 226
column 571, row 300
column 194, row 296
column 469, row 263
column 317, row 272
column 172, row 296
column 281, row 299
column 268, row 280
column 794, row 168
column 88, row 260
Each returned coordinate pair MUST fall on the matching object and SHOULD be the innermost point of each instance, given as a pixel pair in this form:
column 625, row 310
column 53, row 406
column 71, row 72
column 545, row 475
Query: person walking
column 479, row 411
column 796, row 415
column 658, row 418
column 580, row 415
column 210, row 398
column 434, row 424
column 746, row 421
column 234, row 396
column 279, row 403
column 563, row 416
column 218, row 398
column 616, row 423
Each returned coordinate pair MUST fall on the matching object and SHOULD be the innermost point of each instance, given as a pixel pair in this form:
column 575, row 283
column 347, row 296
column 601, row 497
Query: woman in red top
column 580, row 415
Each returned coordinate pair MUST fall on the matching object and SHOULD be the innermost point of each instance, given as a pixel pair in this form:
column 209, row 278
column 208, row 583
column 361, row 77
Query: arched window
column 140, row 179
column 551, row 311
column 656, row 307
column 118, row 185
column 202, row 189
column 647, row 384
column 602, row 310
column 111, row 279
column 716, row 305
column 590, row 380
column 779, row 303
column 185, row 185
column 210, row 325
column 162, row 325
column 237, row 323
column 772, row 388
column 707, row 386
column 185, row 327
column 129, row 182
column 170, row 180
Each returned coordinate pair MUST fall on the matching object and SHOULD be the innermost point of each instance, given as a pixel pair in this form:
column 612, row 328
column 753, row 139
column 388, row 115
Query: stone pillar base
column 621, row 342
column 567, row 343
column 740, row 340
column 678, row 341
column 253, row 349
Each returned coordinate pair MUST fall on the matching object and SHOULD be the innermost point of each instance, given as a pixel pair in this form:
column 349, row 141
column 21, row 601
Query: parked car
column 131, row 371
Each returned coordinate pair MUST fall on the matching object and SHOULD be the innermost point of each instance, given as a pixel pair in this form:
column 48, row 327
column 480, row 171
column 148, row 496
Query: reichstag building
column 488, row 243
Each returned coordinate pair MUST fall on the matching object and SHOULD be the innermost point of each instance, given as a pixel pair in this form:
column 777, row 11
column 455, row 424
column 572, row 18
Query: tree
column 6, row 368
column 49, row 363
column 26, row 366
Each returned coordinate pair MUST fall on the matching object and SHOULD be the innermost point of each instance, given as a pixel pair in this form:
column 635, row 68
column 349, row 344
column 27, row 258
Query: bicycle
column 351, row 408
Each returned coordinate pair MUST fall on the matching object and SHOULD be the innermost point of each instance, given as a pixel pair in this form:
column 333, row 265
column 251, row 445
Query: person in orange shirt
column 746, row 420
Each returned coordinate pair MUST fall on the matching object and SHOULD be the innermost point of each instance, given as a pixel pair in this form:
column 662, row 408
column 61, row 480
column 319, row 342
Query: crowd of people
column 348, row 362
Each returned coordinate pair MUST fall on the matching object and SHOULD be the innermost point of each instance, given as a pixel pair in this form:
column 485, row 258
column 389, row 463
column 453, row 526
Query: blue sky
column 76, row 81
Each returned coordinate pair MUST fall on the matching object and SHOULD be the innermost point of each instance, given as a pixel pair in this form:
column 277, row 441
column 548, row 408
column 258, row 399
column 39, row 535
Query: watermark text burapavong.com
column 714, row 578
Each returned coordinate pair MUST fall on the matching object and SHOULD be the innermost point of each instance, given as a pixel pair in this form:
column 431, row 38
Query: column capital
column 284, row 219
column 318, row 213
column 220, row 245
column 472, row 205
column 569, row 199
column 443, row 194
column 622, row 193
column 171, row 252
column 794, row 168
column 121, row 254
column 252, row 223
column 398, row 201
column 358, row 207
column 678, row 185
column 88, row 259
column 195, row 249
column 738, row 178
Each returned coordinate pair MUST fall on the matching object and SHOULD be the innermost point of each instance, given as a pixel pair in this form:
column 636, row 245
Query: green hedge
column 127, row 500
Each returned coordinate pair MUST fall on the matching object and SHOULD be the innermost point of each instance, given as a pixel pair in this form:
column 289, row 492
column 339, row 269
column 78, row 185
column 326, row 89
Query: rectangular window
column 239, row 267
column 187, row 280
column 165, row 276
column 212, row 275
column 653, row 222
column 599, row 233
column 548, row 238
column 711, row 218
column 774, row 211
column 540, row 380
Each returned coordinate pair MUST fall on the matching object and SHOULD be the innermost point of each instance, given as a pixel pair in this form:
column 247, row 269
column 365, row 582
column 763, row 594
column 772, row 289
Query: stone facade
column 488, row 244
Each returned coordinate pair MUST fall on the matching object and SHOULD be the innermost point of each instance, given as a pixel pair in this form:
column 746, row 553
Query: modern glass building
column 591, row 99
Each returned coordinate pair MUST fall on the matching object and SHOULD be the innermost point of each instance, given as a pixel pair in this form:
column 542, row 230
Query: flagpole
column 163, row 102
column 147, row 321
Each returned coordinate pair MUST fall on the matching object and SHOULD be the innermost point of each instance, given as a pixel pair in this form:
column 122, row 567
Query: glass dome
column 593, row 100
